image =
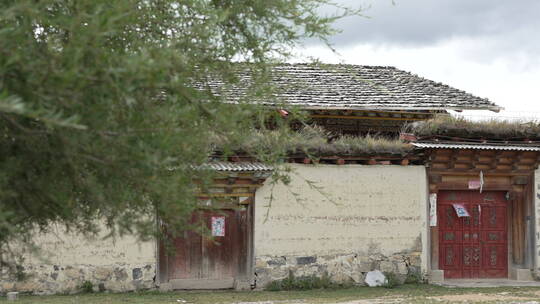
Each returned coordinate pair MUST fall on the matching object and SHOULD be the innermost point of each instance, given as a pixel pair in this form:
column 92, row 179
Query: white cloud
column 485, row 47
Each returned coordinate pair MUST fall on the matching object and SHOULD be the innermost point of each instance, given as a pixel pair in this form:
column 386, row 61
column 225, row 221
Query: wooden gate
column 210, row 261
column 475, row 246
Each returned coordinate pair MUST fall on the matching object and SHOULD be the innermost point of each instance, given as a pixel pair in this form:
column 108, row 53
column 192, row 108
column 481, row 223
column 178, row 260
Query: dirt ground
column 358, row 295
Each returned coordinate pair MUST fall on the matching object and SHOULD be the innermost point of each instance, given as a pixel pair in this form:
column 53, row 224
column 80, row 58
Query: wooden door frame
column 242, row 279
column 518, row 185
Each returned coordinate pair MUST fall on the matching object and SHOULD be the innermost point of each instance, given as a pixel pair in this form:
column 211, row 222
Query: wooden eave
column 411, row 157
column 451, row 161
column 233, row 185
column 390, row 115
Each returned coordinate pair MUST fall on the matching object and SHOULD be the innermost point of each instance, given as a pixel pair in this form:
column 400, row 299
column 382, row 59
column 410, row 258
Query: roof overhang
column 397, row 108
column 467, row 146
column 222, row 166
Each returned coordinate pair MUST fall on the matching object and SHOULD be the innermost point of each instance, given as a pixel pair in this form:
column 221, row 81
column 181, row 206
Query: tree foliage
column 98, row 100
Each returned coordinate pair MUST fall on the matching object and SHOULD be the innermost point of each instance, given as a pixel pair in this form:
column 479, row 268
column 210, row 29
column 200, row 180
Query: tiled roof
column 504, row 147
column 237, row 166
column 357, row 87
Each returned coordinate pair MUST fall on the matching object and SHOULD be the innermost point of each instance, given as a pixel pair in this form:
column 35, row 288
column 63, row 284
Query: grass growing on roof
column 316, row 141
column 446, row 125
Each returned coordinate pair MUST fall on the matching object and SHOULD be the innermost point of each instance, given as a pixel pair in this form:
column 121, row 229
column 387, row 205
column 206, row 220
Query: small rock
column 375, row 278
column 137, row 273
column 12, row 296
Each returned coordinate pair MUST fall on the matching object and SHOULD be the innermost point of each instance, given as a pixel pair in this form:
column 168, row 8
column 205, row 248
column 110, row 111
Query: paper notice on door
column 433, row 209
column 460, row 210
column 218, row 226
column 475, row 184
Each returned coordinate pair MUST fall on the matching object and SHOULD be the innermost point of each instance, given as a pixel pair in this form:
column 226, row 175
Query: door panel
column 220, row 254
column 474, row 246
column 210, row 260
column 450, row 260
column 185, row 263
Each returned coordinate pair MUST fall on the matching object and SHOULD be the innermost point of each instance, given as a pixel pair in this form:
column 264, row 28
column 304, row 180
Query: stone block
column 120, row 274
column 520, row 274
column 102, row 273
column 262, row 278
column 402, row 268
column 165, row 287
column 114, row 286
column 137, row 273
column 306, row 260
column 436, row 276
column 358, row 278
column 242, row 284
column 7, row 286
column 260, row 263
column 280, row 272
column 101, row 287
column 377, row 257
column 27, row 286
column 73, row 273
column 386, row 266
column 340, row 277
column 363, row 264
column 280, row 261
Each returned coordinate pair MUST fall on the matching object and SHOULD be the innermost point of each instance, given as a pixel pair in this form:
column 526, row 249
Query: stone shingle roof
column 237, row 166
column 358, row 87
column 476, row 146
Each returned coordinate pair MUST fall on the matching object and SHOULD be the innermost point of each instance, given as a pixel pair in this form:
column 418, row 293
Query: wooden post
column 518, row 237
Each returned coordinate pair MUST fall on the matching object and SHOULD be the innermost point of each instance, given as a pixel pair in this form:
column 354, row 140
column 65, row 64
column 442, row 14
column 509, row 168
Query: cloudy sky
column 490, row 48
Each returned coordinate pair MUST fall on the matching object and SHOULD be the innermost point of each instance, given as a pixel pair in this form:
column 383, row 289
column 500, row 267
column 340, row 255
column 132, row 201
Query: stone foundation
column 54, row 279
column 346, row 268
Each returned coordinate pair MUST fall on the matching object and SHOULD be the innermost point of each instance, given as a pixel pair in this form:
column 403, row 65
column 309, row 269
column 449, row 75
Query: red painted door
column 212, row 260
column 475, row 246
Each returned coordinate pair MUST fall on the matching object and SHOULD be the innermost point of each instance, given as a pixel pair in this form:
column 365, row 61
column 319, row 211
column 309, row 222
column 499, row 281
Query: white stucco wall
column 367, row 209
column 66, row 260
column 61, row 248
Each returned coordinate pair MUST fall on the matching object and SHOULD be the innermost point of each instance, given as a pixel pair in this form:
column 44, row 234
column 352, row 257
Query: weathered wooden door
column 210, row 261
column 475, row 246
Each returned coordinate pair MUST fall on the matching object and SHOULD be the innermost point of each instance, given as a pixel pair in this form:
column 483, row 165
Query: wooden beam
column 476, row 172
column 224, row 194
column 364, row 117
column 235, row 186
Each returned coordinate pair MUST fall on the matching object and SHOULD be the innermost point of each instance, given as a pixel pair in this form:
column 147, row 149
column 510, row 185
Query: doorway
column 209, row 261
column 475, row 244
